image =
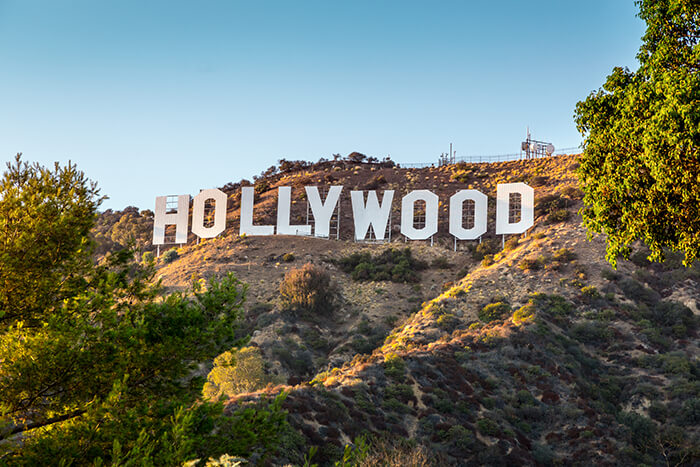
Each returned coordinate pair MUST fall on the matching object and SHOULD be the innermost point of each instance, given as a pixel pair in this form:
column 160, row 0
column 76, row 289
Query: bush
column 642, row 430
column 511, row 243
column 564, row 255
column 591, row 332
column 441, row 263
column 530, row 264
column 447, row 322
column 525, row 313
column 170, row 256
column 548, row 204
column 494, row 311
column 309, row 289
column 261, row 186
column 638, row 293
column 390, row 265
column 288, row 257
column 555, row 305
column 486, row 247
column 376, row 182
column 560, row 215
column 235, row 372
column 572, row 192
column 590, row 292
column 394, row 366
column 461, row 437
column 147, row 257
column 487, row 426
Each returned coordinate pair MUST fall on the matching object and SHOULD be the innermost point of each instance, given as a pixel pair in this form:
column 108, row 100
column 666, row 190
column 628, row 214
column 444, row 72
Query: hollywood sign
column 366, row 212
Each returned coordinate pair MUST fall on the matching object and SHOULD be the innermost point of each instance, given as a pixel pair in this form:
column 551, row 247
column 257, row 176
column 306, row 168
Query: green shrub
column 525, row 313
column 590, row 292
column 524, row 397
column 564, row 255
column 640, row 258
column 638, row 293
column 555, row 305
column 572, row 192
column 394, row 366
column 390, row 265
column 548, row 204
column 147, row 257
column 261, row 186
column 394, row 405
column 675, row 364
column 591, row 332
column 641, row 429
column 487, row 426
column 489, row 246
column 170, row 256
column 441, row 262
column 690, row 413
column 461, row 437
column 530, row 264
column 560, row 215
column 610, row 275
column 402, row 392
column 447, row 322
column 235, row 372
column 309, row 289
column 511, row 244
column 288, row 257
column 494, row 311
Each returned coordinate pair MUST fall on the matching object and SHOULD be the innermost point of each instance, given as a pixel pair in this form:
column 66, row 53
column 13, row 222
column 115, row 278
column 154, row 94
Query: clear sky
column 169, row 97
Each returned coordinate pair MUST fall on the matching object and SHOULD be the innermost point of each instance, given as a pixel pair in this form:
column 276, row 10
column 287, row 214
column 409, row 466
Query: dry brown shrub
column 308, row 289
column 395, row 454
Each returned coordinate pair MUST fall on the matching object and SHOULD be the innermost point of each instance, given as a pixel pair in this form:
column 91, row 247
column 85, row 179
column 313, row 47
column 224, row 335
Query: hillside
column 534, row 354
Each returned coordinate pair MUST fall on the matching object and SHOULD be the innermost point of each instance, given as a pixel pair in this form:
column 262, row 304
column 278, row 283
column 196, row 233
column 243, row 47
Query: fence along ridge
column 478, row 159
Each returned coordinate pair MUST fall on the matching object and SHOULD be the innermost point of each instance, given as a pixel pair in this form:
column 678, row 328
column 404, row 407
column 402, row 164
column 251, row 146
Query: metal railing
column 480, row 159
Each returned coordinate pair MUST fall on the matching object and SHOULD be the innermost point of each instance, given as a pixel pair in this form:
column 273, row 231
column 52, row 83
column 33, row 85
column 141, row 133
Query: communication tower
column 534, row 149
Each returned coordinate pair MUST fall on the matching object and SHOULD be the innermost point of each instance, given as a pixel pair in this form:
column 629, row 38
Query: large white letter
column 372, row 213
column 247, row 227
column 179, row 219
column 527, row 208
column 284, row 207
column 219, row 226
column 408, row 205
column 323, row 211
column 480, row 214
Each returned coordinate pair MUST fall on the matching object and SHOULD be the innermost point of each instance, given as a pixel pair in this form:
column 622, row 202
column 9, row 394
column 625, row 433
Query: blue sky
column 170, row 97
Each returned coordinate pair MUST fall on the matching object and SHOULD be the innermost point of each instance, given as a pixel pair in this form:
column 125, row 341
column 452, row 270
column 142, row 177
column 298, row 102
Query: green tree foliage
column 96, row 363
column 640, row 170
column 308, row 288
column 236, row 371
column 116, row 230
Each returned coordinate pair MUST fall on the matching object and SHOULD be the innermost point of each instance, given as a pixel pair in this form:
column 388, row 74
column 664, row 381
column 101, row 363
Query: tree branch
column 49, row 421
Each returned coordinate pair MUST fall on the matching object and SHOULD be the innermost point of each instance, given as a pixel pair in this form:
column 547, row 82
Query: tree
column 96, row 363
column 236, row 371
column 356, row 157
column 640, row 169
